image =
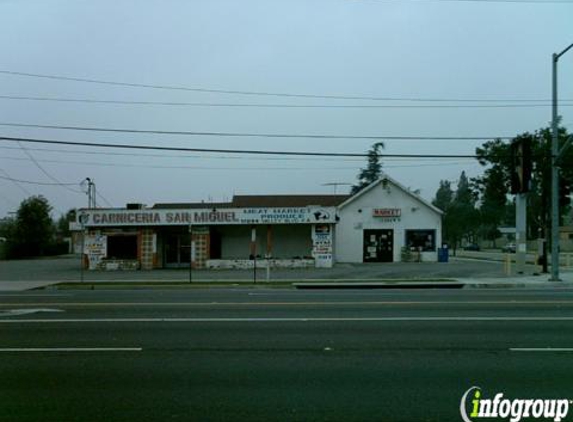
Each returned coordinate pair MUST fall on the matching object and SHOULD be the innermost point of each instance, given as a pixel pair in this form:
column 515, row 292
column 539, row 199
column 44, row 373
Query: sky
column 453, row 55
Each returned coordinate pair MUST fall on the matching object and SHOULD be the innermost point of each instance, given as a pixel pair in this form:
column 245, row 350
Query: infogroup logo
column 474, row 406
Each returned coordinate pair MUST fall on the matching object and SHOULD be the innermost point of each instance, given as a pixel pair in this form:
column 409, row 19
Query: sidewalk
column 525, row 281
column 34, row 274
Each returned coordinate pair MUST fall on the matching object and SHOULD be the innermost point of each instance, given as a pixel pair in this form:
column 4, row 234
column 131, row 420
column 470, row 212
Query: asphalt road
column 278, row 355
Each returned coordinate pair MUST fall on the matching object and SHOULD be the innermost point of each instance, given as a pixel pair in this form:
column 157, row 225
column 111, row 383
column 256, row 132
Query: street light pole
column 555, row 153
column 554, row 178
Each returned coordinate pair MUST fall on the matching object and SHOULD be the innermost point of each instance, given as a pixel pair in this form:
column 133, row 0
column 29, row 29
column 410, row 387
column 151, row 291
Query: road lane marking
column 26, row 311
column 541, row 349
column 70, row 349
column 297, row 319
column 313, row 303
column 36, row 295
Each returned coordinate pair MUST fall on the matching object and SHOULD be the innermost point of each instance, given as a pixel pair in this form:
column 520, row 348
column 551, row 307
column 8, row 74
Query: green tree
column 464, row 217
column 63, row 224
column 460, row 218
column 494, row 185
column 493, row 207
column 373, row 169
column 444, row 195
column 34, row 231
column 444, row 200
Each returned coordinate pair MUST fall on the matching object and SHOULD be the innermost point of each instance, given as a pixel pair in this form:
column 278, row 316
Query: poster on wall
column 95, row 248
column 322, row 245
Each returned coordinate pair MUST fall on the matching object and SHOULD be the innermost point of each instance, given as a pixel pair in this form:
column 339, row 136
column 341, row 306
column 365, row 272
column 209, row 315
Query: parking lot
column 67, row 268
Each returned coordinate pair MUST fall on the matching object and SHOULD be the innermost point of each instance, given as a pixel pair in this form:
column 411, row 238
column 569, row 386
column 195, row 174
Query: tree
column 373, row 169
column 444, row 200
column 63, row 225
column 493, row 207
column 494, row 184
column 444, row 196
column 460, row 218
column 463, row 219
column 34, row 231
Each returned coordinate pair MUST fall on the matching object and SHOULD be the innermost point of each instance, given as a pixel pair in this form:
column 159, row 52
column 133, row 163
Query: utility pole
column 91, row 192
column 520, row 185
column 191, row 253
column 555, row 156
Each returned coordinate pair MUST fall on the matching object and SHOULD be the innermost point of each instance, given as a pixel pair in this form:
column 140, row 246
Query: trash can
column 443, row 254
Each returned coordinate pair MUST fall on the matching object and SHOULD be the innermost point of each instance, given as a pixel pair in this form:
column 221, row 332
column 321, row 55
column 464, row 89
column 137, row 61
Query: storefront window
column 122, row 247
column 421, row 239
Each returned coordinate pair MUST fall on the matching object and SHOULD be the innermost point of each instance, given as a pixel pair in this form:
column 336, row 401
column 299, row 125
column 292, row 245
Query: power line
column 250, row 168
column 256, row 93
column 196, row 156
column 257, row 135
column 103, row 198
column 43, row 170
column 179, row 156
column 293, row 106
column 30, row 182
column 223, row 151
column 16, row 182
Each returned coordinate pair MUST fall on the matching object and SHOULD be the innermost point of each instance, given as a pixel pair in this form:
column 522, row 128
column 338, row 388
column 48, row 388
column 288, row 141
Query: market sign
column 386, row 212
column 222, row 216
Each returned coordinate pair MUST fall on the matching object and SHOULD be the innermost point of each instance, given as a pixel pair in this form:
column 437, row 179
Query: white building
column 386, row 222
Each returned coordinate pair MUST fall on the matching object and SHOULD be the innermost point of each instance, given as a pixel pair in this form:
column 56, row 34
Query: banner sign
column 223, row 216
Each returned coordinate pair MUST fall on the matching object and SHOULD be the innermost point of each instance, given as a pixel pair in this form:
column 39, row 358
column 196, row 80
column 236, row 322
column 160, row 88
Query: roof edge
column 386, row 178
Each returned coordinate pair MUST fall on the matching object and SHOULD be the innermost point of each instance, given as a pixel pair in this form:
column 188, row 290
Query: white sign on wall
column 95, row 247
column 322, row 245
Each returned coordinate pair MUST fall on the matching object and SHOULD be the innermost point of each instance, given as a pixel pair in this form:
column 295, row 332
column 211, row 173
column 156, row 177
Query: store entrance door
column 177, row 251
column 378, row 245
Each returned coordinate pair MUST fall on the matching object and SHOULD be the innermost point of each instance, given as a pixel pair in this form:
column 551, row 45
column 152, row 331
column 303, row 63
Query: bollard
column 507, row 264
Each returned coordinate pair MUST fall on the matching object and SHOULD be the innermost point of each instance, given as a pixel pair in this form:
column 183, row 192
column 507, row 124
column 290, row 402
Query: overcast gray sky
column 465, row 50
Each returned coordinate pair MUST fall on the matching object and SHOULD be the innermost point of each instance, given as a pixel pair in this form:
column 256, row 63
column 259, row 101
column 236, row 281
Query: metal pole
column 190, row 253
column 254, row 252
column 521, row 231
column 554, row 179
column 82, row 255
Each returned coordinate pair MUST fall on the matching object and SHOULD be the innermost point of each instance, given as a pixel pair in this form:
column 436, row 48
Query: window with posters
column 424, row 240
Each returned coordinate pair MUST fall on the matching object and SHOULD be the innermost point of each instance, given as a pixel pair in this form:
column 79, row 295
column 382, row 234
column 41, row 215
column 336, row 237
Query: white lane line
column 308, row 303
column 71, row 349
column 36, row 295
column 541, row 349
column 26, row 311
column 298, row 319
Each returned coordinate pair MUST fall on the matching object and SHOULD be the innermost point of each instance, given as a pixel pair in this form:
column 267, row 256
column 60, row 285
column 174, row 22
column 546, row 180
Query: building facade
column 384, row 222
column 281, row 231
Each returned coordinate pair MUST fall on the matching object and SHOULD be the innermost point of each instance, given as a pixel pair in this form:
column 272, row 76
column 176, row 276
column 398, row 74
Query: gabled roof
column 271, row 201
column 387, row 179
column 192, row 205
column 263, row 201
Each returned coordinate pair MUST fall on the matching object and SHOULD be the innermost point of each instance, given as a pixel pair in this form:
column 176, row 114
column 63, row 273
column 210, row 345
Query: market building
column 387, row 222
column 289, row 230
column 282, row 231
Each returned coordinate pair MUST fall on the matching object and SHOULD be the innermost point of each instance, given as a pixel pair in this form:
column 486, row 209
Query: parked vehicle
column 472, row 247
column 509, row 248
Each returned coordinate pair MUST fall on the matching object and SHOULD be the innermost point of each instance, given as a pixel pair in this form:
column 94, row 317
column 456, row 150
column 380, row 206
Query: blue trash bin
column 443, row 254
